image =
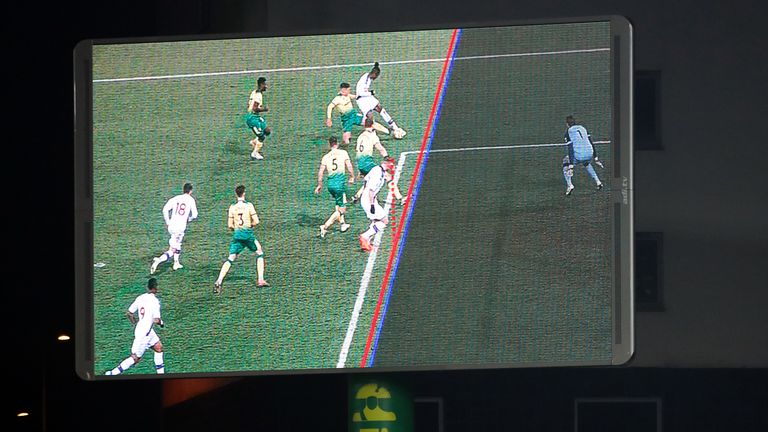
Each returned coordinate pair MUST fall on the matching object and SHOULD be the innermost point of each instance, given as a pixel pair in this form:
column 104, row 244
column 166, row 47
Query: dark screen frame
column 622, row 197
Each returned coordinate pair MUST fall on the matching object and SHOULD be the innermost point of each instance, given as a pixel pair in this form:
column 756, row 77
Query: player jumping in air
column 147, row 308
column 368, row 102
column 349, row 115
column 580, row 151
column 337, row 163
column 241, row 219
column 378, row 176
column 177, row 211
column 254, row 120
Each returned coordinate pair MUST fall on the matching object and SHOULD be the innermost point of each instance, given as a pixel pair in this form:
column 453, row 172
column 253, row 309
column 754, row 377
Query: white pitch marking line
column 449, row 150
column 493, row 56
column 366, row 279
column 340, row 66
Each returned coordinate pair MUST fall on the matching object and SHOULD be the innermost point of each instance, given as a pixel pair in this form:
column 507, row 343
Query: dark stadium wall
column 488, row 400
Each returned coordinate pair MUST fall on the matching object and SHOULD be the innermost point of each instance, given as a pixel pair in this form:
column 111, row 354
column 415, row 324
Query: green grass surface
column 499, row 267
column 150, row 137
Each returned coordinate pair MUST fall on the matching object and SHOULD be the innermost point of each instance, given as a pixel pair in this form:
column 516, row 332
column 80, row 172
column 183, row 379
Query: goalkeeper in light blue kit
column 580, row 151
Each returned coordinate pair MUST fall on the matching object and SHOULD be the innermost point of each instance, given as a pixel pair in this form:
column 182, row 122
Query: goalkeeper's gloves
column 598, row 163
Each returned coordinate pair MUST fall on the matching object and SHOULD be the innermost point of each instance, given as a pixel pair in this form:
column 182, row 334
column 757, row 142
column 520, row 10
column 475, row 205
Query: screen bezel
column 622, row 197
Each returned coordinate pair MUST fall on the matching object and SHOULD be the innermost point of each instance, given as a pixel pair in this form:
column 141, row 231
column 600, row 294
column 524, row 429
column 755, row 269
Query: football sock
column 224, row 269
column 164, row 257
column 125, row 364
column 567, row 178
column 259, row 145
column 387, row 118
column 592, row 173
column 260, row 267
column 159, row 365
column 341, row 218
column 332, row 219
column 380, row 127
column 370, row 232
column 176, row 258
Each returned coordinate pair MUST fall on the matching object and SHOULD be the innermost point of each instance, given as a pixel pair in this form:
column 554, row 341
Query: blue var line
column 415, row 196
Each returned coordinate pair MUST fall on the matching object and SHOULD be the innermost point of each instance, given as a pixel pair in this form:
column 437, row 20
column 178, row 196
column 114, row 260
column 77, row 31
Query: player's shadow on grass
column 229, row 158
column 236, row 147
column 307, row 220
column 161, row 269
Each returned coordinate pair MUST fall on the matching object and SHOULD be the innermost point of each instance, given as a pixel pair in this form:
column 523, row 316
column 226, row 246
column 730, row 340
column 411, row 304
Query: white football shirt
column 374, row 180
column 147, row 307
column 178, row 211
column 363, row 87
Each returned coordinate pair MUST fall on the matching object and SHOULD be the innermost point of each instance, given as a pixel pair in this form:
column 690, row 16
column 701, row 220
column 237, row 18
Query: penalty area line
column 451, row 150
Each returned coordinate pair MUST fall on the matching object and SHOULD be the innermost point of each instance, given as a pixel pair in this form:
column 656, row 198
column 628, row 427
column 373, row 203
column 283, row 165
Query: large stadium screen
column 410, row 200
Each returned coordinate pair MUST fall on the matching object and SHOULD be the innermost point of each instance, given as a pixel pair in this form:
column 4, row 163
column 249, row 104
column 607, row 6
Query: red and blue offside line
column 398, row 244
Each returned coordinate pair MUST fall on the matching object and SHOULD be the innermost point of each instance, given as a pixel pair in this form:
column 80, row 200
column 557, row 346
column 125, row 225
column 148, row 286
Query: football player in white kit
column 144, row 313
column 376, row 178
column 176, row 212
column 367, row 102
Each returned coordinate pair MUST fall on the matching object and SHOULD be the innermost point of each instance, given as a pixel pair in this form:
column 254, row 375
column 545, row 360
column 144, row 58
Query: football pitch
column 167, row 114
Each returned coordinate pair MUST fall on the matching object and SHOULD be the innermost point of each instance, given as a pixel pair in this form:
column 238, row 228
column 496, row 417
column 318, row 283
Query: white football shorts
column 143, row 343
column 175, row 240
column 367, row 104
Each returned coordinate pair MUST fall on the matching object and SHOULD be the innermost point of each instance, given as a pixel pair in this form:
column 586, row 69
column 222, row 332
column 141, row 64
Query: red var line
column 393, row 253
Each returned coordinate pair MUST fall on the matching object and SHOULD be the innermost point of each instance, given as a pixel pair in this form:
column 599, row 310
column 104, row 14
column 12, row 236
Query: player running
column 366, row 143
column 349, row 115
column 580, row 151
column 241, row 219
column 379, row 176
column 147, row 308
column 368, row 103
column 337, row 163
column 254, row 120
column 177, row 211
